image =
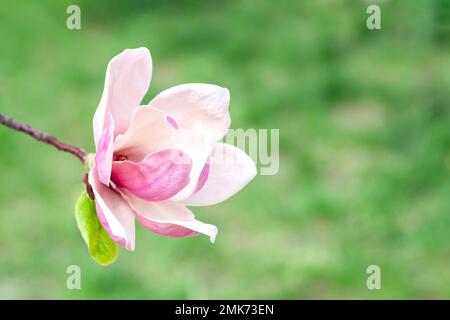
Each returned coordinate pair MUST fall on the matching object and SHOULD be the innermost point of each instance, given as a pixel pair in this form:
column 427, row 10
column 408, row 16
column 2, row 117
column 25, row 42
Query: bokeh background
column 364, row 147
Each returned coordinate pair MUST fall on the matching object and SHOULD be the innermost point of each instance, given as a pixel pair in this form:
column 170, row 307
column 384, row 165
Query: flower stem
column 13, row 124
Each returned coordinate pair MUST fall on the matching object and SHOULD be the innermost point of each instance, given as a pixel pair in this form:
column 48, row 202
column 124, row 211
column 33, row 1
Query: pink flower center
column 120, row 157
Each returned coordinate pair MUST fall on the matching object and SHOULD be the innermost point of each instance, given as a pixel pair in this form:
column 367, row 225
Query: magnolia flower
column 153, row 160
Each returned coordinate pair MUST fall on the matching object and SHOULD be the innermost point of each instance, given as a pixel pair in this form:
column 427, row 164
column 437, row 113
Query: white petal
column 204, row 106
column 127, row 80
column 149, row 132
column 230, row 169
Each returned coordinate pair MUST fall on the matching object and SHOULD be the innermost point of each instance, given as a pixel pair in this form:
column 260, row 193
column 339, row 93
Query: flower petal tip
column 213, row 233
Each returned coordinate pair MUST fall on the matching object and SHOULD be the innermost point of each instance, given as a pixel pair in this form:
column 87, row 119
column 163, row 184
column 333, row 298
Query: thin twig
column 13, row 124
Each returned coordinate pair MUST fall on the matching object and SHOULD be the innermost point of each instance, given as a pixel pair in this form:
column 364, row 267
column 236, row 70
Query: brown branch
column 13, row 124
column 89, row 190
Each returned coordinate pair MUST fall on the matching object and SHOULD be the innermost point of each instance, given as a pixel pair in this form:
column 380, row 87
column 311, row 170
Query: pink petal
column 172, row 122
column 149, row 132
column 203, row 177
column 113, row 211
column 169, row 218
column 165, row 229
column 127, row 80
column 230, row 169
column 197, row 105
column 104, row 154
column 101, row 217
column 197, row 145
column 158, row 177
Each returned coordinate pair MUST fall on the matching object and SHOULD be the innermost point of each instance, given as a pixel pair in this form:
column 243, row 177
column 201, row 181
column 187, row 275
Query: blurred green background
column 364, row 122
